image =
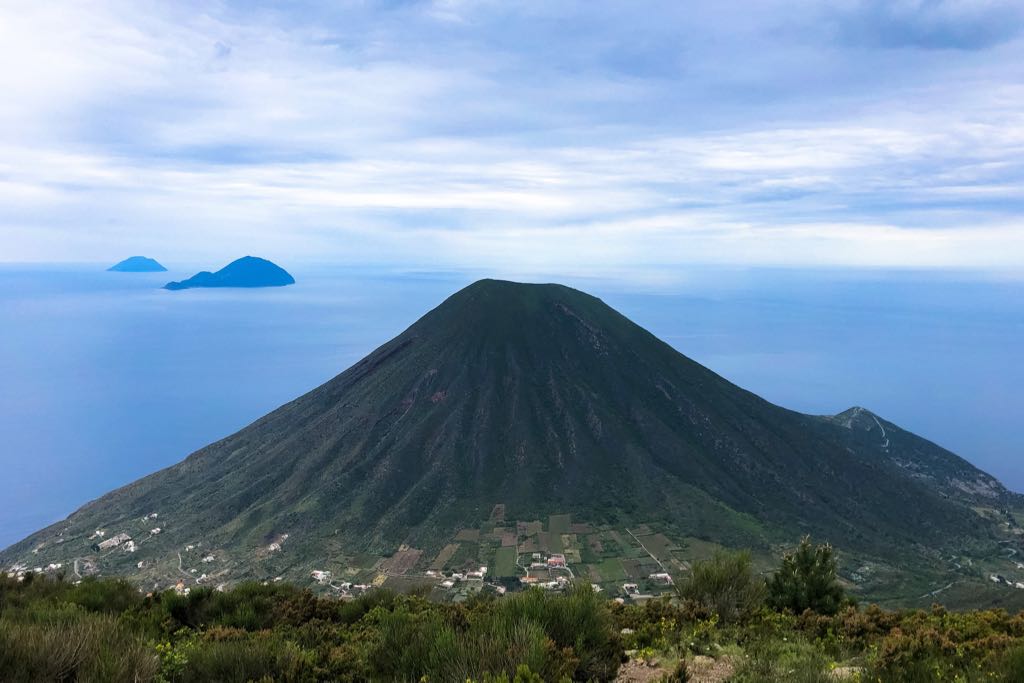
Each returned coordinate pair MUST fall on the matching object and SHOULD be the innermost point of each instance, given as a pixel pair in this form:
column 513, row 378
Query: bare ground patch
column 401, row 562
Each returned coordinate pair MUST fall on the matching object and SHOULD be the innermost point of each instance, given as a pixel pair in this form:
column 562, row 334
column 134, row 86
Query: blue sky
column 558, row 137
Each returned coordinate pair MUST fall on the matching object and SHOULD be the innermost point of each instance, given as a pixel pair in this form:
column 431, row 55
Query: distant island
column 248, row 271
column 137, row 264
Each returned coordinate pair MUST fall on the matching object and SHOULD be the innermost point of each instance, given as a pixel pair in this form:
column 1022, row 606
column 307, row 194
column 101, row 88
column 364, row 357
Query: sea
column 106, row 377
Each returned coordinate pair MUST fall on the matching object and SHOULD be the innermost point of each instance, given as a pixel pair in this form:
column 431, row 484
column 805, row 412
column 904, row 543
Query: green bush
column 580, row 620
column 103, row 630
column 791, row 659
column 413, row 644
column 725, row 586
column 807, row 580
column 71, row 646
column 1009, row 665
column 570, row 636
column 248, row 657
column 112, row 596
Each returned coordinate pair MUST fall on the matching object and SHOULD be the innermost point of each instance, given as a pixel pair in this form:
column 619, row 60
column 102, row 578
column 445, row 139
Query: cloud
column 931, row 24
column 567, row 136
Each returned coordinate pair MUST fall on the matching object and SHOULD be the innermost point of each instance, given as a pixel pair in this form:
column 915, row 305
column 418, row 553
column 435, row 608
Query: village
column 497, row 557
column 628, row 564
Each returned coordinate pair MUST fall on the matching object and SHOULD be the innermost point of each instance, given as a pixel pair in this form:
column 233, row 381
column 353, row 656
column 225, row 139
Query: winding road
column 884, row 437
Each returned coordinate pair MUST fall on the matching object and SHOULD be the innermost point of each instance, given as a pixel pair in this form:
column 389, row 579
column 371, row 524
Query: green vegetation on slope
column 719, row 623
column 545, row 403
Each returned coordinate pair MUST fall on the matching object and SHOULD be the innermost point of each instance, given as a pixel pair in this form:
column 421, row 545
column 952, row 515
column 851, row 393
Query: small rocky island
column 248, row 271
column 137, row 264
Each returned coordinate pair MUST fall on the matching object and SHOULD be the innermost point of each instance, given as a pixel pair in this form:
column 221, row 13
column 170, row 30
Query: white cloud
column 424, row 135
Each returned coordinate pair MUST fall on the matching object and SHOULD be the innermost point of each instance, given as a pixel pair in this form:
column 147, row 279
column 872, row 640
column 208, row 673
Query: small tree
column 807, row 580
column 724, row 585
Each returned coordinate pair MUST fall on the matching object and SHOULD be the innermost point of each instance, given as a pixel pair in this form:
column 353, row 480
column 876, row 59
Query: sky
column 591, row 137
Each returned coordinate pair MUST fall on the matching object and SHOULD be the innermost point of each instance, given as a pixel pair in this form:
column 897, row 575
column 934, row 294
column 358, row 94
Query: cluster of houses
column 455, row 577
column 114, row 541
column 540, row 563
column 122, row 539
column 560, row 583
column 18, row 571
column 553, row 561
column 999, row 578
column 326, row 578
column 632, row 590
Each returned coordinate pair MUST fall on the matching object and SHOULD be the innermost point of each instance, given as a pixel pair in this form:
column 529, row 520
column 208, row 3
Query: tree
column 807, row 580
column 724, row 585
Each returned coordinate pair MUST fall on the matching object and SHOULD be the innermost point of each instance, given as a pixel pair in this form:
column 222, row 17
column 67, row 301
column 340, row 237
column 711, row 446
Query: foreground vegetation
column 797, row 626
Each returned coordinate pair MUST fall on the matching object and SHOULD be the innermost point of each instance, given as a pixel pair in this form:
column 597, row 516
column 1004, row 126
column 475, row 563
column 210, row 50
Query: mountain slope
column 544, row 399
column 248, row 271
column 137, row 264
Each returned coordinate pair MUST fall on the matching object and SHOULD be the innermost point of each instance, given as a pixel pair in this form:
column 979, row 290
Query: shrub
column 725, row 586
column 112, row 596
column 793, row 660
column 556, row 637
column 581, row 621
column 807, row 580
column 1010, row 665
column 73, row 647
column 250, row 657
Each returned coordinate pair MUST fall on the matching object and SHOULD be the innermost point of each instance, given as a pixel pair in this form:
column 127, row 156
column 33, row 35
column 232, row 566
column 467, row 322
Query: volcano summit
column 510, row 404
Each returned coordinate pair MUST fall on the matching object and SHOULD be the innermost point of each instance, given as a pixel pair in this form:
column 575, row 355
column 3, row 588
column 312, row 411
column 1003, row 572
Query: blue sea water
column 105, row 377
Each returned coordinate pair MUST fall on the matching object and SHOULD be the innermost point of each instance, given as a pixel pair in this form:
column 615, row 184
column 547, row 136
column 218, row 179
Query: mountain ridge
column 545, row 400
column 137, row 264
column 248, row 271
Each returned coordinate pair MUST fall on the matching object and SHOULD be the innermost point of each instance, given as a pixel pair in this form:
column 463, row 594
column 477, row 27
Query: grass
column 551, row 542
column 444, row 556
column 611, row 570
column 658, row 545
column 559, row 524
column 505, row 562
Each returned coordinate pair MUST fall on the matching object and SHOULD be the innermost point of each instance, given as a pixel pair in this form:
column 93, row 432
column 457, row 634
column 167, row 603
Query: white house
column 114, row 541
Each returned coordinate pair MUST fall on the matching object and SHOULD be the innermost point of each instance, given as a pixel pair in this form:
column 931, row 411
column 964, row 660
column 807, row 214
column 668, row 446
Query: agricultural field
column 505, row 562
column 611, row 556
column 603, row 555
column 442, row 557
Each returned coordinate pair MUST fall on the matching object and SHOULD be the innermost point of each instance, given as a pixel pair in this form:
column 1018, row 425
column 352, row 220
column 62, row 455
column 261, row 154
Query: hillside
column 511, row 403
column 137, row 264
column 248, row 271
